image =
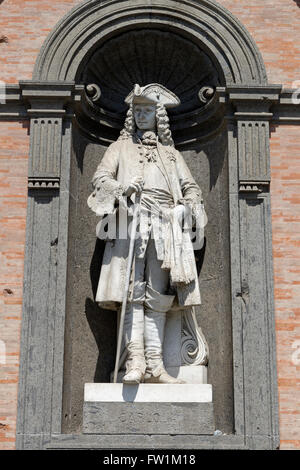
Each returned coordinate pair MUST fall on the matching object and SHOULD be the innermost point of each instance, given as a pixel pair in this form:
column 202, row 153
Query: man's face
column 145, row 116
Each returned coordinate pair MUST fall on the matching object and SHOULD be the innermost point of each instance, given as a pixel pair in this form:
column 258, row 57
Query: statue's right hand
column 136, row 186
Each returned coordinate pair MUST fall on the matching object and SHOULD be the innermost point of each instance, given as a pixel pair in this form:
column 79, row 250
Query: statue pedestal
column 148, row 409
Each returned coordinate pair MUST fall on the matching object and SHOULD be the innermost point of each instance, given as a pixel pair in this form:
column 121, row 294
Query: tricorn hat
column 152, row 94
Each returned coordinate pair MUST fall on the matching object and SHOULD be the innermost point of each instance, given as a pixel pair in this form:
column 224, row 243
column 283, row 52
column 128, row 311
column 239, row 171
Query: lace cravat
column 148, row 139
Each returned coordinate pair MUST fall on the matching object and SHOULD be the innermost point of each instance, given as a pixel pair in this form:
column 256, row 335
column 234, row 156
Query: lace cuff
column 105, row 196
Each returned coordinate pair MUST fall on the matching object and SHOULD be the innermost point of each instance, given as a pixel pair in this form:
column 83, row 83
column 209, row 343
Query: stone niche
column 75, row 103
column 140, row 57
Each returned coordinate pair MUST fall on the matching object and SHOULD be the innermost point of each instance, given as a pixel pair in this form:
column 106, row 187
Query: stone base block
column 148, row 409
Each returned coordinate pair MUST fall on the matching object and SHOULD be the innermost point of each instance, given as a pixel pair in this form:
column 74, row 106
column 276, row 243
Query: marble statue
column 143, row 167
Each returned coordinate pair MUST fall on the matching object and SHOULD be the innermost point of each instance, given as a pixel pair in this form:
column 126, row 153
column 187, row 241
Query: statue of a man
column 164, row 277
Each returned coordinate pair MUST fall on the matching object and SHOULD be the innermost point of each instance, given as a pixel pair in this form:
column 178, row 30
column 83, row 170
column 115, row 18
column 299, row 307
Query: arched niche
column 93, row 27
column 139, row 56
column 214, row 143
column 214, row 28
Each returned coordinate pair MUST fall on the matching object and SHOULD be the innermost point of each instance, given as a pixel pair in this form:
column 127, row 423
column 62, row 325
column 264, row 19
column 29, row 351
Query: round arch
column 205, row 22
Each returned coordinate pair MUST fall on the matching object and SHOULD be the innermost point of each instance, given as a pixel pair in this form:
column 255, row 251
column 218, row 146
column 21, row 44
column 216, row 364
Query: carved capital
column 250, row 102
column 254, row 187
column 43, row 183
column 47, row 99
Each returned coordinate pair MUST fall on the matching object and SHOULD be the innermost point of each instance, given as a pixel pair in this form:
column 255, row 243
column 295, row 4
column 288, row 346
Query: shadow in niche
column 80, row 145
column 297, row 3
column 96, row 263
column 199, row 257
column 215, row 159
column 81, row 150
column 101, row 322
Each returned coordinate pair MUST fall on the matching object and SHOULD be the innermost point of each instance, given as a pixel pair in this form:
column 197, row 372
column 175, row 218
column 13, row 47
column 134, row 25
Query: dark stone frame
column 50, row 100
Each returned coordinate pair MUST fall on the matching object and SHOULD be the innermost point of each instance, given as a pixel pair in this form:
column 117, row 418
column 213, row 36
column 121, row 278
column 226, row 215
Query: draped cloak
column 123, row 161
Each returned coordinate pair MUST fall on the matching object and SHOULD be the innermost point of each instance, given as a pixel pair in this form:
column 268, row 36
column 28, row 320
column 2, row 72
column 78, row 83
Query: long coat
column 120, row 165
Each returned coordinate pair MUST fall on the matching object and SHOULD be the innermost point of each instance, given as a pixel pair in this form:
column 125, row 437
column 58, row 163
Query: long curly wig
column 162, row 125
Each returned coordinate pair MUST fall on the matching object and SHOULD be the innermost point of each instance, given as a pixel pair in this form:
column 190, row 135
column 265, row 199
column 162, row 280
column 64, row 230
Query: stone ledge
column 148, row 393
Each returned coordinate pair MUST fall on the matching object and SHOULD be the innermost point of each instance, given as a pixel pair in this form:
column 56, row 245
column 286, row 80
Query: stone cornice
column 258, row 93
column 287, row 111
column 14, row 107
column 31, row 98
column 47, row 98
column 270, row 103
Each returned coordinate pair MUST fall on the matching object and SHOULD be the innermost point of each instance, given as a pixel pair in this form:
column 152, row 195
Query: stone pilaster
column 251, row 264
column 41, row 365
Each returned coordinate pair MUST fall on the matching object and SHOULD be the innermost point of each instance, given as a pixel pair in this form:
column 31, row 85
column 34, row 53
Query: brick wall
column 13, row 195
column 285, row 191
column 275, row 26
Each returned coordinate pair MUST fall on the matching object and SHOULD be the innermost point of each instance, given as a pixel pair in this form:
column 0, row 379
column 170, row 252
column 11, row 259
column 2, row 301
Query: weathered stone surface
column 153, row 441
column 148, row 418
column 91, row 344
column 244, row 64
column 245, row 396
